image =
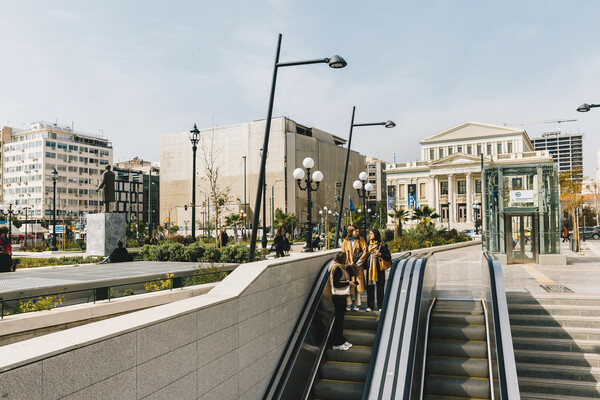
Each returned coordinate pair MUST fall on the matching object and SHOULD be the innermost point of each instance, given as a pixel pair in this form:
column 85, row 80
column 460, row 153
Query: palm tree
column 399, row 215
column 288, row 220
column 425, row 215
column 234, row 220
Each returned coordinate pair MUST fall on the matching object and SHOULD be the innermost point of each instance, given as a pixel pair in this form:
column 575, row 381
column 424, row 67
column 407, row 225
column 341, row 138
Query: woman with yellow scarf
column 355, row 248
column 376, row 273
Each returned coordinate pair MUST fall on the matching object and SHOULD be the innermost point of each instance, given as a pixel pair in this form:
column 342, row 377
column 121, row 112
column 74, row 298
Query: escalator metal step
column 357, row 354
column 457, row 348
column 360, row 337
column 337, row 390
column 457, row 386
column 458, row 366
column 461, row 332
column 360, row 322
column 344, row 371
column 455, row 319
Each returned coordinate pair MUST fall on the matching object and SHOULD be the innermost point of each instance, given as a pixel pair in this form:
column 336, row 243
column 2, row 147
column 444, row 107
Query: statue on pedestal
column 108, row 188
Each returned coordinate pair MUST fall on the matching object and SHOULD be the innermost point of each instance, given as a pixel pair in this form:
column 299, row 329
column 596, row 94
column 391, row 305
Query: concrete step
column 549, row 396
column 559, row 372
column 555, row 320
column 556, row 387
column 457, row 386
column 457, row 348
column 459, row 332
column 567, row 310
column 552, row 344
column 554, row 299
column 343, row 371
column 577, row 359
column 458, row 366
column 556, row 332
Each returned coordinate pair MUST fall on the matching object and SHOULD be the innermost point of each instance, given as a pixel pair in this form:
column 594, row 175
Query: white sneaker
column 347, row 344
column 356, row 308
column 349, row 308
column 341, row 347
column 380, row 310
column 368, row 309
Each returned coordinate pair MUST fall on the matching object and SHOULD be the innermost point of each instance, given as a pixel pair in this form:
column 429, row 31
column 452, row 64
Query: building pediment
column 471, row 130
column 455, row 159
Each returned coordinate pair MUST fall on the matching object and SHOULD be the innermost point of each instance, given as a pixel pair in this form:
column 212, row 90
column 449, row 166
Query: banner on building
column 391, row 198
column 521, row 196
column 412, row 196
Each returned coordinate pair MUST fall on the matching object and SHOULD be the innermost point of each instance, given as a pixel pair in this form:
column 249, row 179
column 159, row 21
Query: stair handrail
column 489, row 349
column 425, row 347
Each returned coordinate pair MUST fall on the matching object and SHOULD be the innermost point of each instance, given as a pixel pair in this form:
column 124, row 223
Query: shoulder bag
column 345, row 291
column 384, row 264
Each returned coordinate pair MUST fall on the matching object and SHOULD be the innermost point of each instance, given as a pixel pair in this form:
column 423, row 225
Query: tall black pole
column 364, row 199
column 309, row 241
column 263, row 161
column 194, row 147
column 264, row 230
column 340, row 216
column 10, row 214
column 26, row 226
column 53, row 248
column 245, row 202
column 150, row 203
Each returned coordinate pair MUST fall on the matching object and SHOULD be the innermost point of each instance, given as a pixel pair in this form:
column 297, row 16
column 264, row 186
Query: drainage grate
column 556, row 289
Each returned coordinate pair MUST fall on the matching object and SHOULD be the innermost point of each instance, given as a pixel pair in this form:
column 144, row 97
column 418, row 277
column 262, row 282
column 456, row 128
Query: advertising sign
column 521, row 196
column 391, row 198
column 412, row 196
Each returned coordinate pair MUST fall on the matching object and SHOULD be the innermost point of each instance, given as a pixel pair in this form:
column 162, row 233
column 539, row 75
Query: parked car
column 588, row 232
column 471, row 234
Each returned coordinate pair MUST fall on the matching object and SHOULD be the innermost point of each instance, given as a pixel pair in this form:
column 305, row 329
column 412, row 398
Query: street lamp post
column 317, row 177
column 194, row 138
column 334, row 62
column 362, row 189
column 387, row 124
column 9, row 211
column 245, row 202
column 25, row 209
column 54, row 175
column 585, row 107
column 273, row 206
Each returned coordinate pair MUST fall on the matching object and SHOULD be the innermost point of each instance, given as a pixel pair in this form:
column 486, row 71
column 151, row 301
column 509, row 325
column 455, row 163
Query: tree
column 234, row 220
column 424, row 215
column 570, row 193
column 399, row 215
column 287, row 220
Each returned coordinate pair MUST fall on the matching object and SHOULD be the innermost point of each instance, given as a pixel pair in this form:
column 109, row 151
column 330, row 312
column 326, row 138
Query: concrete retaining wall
column 221, row 345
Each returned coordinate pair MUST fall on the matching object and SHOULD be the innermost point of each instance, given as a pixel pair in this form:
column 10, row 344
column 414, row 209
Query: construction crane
column 551, row 121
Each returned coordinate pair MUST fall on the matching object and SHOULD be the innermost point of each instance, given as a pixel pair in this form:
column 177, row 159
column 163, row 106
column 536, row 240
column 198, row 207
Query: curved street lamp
column 194, row 138
column 363, row 188
column 317, row 177
column 54, row 175
column 335, row 62
column 387, row 124
column 585, row 107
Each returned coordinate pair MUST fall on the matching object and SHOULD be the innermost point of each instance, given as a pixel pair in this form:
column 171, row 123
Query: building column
column 451, row 198
column 469, row 198
column 436, row 194
column 431, row 192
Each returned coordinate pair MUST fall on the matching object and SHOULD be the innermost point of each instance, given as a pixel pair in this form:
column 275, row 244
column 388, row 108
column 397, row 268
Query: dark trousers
column 337, row 331
column 380, row 285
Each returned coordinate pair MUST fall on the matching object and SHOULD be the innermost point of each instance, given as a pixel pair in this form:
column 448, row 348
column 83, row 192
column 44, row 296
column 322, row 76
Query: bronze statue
column 108, row 188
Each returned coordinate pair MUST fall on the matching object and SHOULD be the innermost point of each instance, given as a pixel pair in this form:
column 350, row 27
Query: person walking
column 356, row 252
column 279, row 242
column 378, row 252
column 340, row 283
column 565, row 234
column 224, row 237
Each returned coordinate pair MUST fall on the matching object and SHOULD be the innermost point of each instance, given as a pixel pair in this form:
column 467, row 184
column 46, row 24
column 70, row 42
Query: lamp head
column 363, row 176
column 194, row 133
column 369, row 187
column 317, row 176
column 337, row 62
column 389, row 124
column 585, row 107
column 308, row 163
column 298, row 173
column 54, row 174
column 11, row 202
column 325, row 208
column 357, row 185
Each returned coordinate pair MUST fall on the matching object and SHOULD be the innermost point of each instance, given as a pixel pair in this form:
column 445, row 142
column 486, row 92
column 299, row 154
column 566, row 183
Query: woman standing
column 279, row 241
column 340, row 280
column 378, row 251
column 356, row 252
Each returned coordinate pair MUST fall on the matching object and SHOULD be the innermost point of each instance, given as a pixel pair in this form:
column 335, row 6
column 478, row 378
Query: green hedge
column 194, row 252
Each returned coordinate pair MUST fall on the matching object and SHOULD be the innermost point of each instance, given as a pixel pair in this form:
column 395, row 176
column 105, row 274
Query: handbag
column 384, row 264
column 345, row 291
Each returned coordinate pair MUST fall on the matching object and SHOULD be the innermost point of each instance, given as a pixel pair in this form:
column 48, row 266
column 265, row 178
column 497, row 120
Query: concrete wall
column 221, row 345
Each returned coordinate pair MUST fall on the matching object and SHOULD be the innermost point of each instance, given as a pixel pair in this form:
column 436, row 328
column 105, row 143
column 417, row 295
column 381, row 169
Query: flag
column 351, row 206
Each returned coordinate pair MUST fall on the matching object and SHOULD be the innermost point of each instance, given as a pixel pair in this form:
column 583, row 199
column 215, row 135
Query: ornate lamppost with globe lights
column 8, row 212
column 362, row 189
column 317, row 177
column 194, row 139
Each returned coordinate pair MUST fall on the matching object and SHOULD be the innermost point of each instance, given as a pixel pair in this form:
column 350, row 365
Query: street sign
column 59, row 228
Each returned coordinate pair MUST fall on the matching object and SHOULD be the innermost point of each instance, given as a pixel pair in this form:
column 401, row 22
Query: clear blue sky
column 136, row 69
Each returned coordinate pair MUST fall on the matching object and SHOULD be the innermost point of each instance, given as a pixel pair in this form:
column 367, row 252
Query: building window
column 489, row 149
column 478, row 149
column 469, row 149
column 431, row 154
column 509, row 147
column 401, row 194
column 462, row 187
column 422, row 190
column 443, row 188
column 449, row 150
column 459, row 149
column 441, row 152
column 499, row 145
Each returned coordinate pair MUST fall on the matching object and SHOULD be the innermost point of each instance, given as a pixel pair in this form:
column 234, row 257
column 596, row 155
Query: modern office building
column 448, row 178
column 376, row 171
column 132, row 189
column 30, row 155
column 236, row 151
column 566, row 150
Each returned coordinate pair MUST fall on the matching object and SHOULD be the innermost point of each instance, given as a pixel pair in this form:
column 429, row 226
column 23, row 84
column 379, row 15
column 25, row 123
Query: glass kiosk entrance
column 521, row 238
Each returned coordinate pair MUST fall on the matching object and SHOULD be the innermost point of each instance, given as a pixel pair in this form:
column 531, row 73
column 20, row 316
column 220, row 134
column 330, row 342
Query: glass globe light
column 369, row 187
column 317, row 176
column 308, row 163
column 298, row 173
column 363, row 176
column 357, row 185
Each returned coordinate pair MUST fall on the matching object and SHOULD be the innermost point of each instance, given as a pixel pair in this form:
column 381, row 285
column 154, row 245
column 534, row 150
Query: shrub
column 388, row 235
column 194, row 252
column 235, row 254
column 39, row 304
column 211, row 254
column 213, row 273
column 154, row 286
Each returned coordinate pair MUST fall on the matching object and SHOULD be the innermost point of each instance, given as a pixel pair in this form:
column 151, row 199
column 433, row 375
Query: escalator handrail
column 294, row 344
column 425, row 347
column 488, row 348
column 386, row 304
column 507, row 369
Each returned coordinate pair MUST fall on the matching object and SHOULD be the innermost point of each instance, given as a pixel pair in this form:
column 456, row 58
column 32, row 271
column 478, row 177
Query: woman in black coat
column 375, row 275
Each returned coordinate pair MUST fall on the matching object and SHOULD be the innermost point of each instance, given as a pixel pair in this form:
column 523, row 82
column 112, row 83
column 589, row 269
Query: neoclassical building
column 448, row 177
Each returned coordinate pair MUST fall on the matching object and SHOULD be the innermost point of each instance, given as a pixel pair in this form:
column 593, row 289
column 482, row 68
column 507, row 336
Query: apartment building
column 134, row 194
column 376, row 171
column 30, row 155
column 566, row 150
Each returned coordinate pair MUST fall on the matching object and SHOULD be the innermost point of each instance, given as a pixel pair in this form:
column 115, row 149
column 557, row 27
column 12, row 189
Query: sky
column 135, row 70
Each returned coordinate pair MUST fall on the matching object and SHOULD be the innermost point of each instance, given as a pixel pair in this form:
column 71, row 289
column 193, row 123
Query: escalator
column 422, row 345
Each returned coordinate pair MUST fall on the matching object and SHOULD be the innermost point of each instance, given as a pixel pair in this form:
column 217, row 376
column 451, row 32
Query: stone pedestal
column 103, row 233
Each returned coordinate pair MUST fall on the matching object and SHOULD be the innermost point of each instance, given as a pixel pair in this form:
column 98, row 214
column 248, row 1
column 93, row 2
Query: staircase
column 343, row 373
column 457, row 365
column 556, row 341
